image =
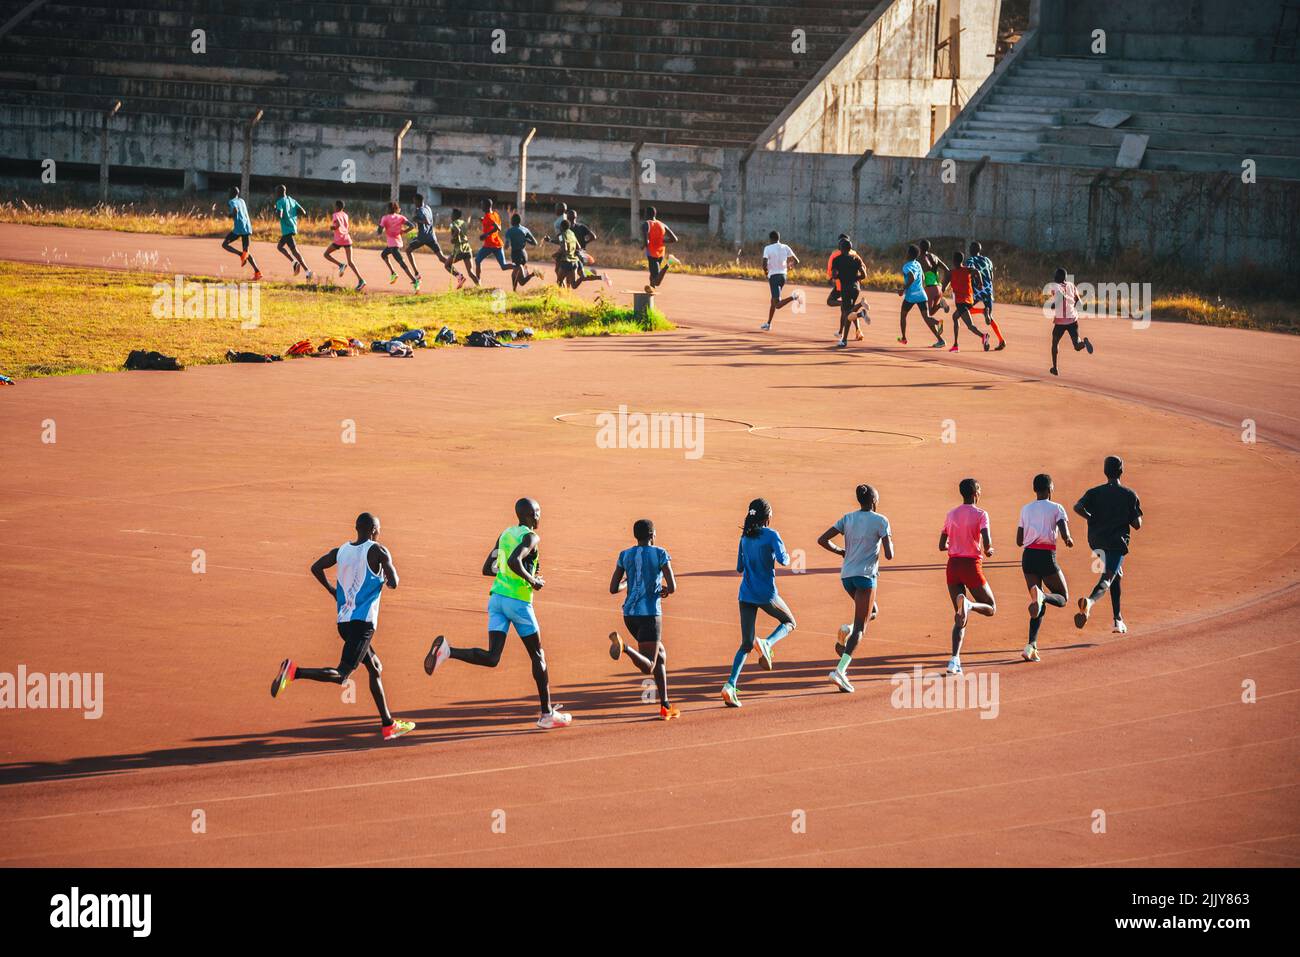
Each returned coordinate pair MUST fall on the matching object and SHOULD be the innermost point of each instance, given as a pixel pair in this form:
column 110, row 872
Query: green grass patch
column 61, row 320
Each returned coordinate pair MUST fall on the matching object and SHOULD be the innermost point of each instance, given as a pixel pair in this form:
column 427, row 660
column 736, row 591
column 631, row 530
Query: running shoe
column 1085, row 609
column 608, row 280
column 954, row 665
column 1087, row 344
column 841, row 681
column 296, row 268
column 460, row 280
column 343, row 267
column 310, row 277
column 287, row 670
column 954, row 348
column 392, row 278
column 667, row 712
column 986, row 342
column 730, row 696
column 399, row 727
column 1036, row 603
column 842, row 344
column 902, row 340
column 361, row 284
column 243, row 257
column 1030, row 652
column 650, row 290
column 257, row 275
column 439, row 651
column 938, row 344
column 1119, row 628
column 765, row 326
column 859, row 337
column 615, row 645
column 416, row 284
column 764, row 653
column 673, row 260
column 865, row 314
column 1002, row 344
column 555, row 718
column 1053, row 371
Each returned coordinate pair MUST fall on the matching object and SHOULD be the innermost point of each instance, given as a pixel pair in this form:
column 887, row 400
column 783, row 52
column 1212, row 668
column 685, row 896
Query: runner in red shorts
column 965, row 538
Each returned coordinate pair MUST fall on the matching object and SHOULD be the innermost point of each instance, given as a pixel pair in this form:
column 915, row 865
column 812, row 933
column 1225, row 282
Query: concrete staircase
column 1200, row 116
column 666, row 71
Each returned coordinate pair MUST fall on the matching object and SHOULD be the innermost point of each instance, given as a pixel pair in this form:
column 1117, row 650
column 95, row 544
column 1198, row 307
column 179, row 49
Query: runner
column 289, row 210
column 1110, row 510
column 649, row 573
column 932, row 265
column 519, row 238
column 983, row 269
column 913, row 293
column 584, row 234
column 776, row 256
column 342, row 239
column 493, row 242
column 865, row 533
column 568, row 258
column 849, row 271
column 392, row 226
column 461, row 251
column 1040, row 522
column 654, row 235
column 1065, row 315
column 427, row 235
column 965, row 536
column 241, row 228
column 514, row 563
column 364, row 567
column 961, row 277
column 834, row 298
column 757, row 556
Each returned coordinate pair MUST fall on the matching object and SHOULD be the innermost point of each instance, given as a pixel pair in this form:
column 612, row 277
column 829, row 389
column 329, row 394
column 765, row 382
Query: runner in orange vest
column 655, row 234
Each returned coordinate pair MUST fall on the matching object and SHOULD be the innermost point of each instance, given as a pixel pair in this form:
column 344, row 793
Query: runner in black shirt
column 1111, row 510
column 849, row 271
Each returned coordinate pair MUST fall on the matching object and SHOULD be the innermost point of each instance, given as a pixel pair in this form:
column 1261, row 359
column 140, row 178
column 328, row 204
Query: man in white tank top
column 364, row 567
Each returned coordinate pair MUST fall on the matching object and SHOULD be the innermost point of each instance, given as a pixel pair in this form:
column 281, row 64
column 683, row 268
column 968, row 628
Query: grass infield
column 59, row 320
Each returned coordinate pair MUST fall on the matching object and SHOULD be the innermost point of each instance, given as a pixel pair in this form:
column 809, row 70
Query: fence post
column 634, row 230
column 103, row 151
column 246, row 171
column 394, row 191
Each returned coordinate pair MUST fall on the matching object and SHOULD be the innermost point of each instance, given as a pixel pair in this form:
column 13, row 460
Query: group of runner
column 926, row 279
column 573, row 260
column 644, row 572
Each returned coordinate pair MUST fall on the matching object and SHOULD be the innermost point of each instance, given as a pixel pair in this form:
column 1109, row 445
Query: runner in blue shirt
column 649, row 578
column 241, row 228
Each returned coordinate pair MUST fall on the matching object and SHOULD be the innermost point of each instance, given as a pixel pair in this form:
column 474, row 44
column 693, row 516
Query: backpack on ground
column 302, row 347
column 142, row 359
column 414, row 336
column 446, row 335
column 486, row 339
column 233, row 356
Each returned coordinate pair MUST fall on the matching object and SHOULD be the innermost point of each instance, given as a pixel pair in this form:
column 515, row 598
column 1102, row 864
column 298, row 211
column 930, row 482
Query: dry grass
column 56, row 320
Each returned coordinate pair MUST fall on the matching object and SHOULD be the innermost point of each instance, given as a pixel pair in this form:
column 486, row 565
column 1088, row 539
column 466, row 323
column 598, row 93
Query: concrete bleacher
column 663, row 71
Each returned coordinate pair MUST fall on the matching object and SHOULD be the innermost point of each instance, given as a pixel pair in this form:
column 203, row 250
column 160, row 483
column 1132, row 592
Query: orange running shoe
column 668, row 712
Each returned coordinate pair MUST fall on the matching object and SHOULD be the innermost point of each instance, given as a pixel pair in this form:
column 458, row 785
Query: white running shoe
column 1085, row 609
column 841, row 681
column 1120, row 628
column 1036, row 603
column 555, row 718
column 954, row 666
column 343, row 267
column 764, row 653
column 730, row 696
column 1030, row 653
column 439, row 652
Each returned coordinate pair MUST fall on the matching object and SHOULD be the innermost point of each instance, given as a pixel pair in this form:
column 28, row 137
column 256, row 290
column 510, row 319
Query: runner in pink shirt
column 1064, row 304
column 966, row 539
column 340, row 225
column 392, row 226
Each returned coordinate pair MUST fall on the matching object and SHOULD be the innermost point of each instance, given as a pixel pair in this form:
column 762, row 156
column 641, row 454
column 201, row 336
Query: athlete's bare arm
column 522, row 551
column 888, row 543
column 328, row 560
column 1064, row 528
column 382, row 562
column 987, row 541
column 616, row 581
column 943, row 541
column 670, row 581
column 825, row 541
column 669, row 235
column 490, row 563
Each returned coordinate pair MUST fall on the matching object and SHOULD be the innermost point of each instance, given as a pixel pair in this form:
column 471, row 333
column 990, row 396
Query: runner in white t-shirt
column 1064, row 302
column 775, row 257
column 1040, row 522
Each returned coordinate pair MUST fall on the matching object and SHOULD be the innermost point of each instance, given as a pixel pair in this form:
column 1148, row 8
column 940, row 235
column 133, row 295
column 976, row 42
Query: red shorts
column 966, row 571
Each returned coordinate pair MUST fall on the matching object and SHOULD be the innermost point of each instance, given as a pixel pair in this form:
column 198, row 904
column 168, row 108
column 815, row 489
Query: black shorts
column 462, row 257
column 356, row 637
column 656, row 264
column 419, row 241
column 563, row 269
column 231, row 237
column 519, row 257
column 849, row 299
column 1039, row 561
column 644, row 629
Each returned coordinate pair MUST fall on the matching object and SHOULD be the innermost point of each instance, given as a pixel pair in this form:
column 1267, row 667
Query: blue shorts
column 491, row 251
column 857, row 583
column 504, row 612
column 1112, row 561
column 776, row 282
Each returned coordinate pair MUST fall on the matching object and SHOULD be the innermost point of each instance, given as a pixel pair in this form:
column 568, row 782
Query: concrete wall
column 876, row 93
column 1231, row 30
column 1215, row 220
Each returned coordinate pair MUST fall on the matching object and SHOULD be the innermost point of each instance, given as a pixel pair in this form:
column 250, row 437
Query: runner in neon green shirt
column 514, row 566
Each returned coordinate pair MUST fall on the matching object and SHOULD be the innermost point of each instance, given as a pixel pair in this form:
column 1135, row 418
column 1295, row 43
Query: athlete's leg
column 347, row 254
column 401, row 261
column 778, row 609
column 284, row 242
column 328, row 256
column 1114, row 596
column 488, row 657
column 957, row 595
column 374, row 668
column 748, row 618
column 533, row 643
column 1057, row 332
column 863, row 600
